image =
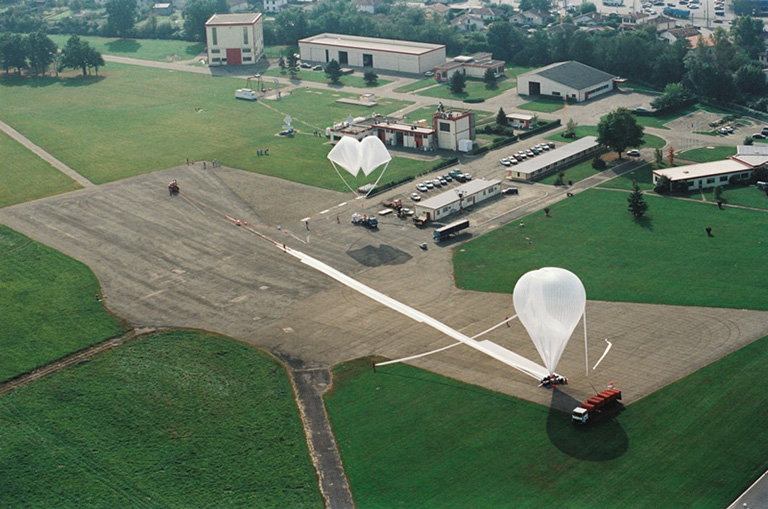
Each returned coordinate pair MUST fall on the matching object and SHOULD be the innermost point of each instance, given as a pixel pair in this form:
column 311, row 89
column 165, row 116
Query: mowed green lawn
column 665, row 258
column 133, row 120
column 159, row 50
column 707, row 154
column 475, row 90
column 177, row 419
column 48, row 306
column 24, row 176
column 410, row 438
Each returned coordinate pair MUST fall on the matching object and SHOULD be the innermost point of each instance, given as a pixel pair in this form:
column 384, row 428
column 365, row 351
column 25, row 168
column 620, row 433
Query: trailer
column 245, row 93
column 595, row 406
column 451, row 229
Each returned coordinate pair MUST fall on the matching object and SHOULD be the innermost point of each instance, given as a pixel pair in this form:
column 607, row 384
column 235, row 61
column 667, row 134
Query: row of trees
column 37, row 52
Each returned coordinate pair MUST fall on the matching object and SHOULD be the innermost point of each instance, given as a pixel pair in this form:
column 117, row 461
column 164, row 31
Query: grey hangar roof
column 573, row 74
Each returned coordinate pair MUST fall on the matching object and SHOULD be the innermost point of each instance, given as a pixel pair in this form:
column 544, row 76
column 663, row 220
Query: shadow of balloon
column 601, row 440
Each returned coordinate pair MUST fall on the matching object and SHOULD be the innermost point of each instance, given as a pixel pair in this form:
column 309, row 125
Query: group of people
column 262, row 152
column 553, row 379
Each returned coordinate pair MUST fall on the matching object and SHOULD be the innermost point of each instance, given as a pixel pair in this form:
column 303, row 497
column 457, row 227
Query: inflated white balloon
column 549, row 302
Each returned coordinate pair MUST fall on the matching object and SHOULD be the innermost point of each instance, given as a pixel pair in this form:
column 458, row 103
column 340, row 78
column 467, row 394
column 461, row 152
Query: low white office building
column 457, row 199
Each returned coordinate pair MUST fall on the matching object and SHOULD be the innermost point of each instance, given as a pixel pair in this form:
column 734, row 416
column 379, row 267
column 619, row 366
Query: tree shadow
column 644, row 222
column 81, row 81
column 13, row 80
column 195, row 49
column 601, row 440
column 124, row 46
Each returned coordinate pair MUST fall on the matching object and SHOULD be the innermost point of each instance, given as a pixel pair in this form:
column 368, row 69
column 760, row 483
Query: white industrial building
column 551, row 161
column 567, row 80
column 234, row 39
column 457, row 199
column 368, row 52
column 736, row 168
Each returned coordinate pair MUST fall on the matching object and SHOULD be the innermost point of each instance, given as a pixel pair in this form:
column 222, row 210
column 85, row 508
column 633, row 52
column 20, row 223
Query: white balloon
column 549, row 302
column 373, row 154
column 346, row 154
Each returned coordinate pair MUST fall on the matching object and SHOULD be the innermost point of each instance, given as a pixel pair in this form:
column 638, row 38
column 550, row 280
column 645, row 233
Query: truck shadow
column 601, row 440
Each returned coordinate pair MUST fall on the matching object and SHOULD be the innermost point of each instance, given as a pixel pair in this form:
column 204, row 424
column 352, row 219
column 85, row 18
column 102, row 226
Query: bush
column 599, row 164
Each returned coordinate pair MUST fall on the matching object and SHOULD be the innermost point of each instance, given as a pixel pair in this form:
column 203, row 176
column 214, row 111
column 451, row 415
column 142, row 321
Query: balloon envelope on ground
column 549, row 302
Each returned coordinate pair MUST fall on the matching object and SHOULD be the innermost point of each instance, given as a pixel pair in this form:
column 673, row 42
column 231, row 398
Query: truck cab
column 580, row 415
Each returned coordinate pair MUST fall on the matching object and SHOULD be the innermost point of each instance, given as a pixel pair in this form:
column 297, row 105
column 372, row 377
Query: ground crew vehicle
column 367, row 221
column 450, row 229
column 595, row 405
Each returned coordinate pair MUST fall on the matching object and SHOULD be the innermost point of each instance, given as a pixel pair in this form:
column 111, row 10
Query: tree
column 663, row 185
column 501, row 117
column 13, row 52
column 746, row 32
column 619, row 130
column 292, row 63
column 749, row 140
column 637, row 205
column 570, row 128
column 490, row 79
column 121, row 17
column 196, row 13
column 41, row 50
column 675, row 95
column 599, row 164
column 457, row 83
column 281, row 65
column 370, row 77
column 587, row 7
column 750, row 79
column 658, row 158
column 333, row 71
column 78, row 54
column 671, row 155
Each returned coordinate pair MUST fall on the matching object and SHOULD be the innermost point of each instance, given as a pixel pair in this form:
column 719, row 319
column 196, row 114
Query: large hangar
column 567, row 80
column 381, row 54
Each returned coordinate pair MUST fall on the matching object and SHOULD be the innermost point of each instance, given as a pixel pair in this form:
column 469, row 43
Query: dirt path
column 72, row 359
column 42, row 154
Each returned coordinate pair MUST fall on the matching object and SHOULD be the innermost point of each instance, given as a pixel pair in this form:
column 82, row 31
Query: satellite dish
column 549, row 302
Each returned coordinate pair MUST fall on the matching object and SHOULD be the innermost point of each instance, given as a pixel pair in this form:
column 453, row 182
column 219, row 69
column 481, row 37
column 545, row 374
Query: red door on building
column 234, row 57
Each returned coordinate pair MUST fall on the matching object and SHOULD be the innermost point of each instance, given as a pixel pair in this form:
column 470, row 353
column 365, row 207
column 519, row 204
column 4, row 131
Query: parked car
column 415, row 197
column 429, row 184
column 468, row 176
column 443, row 181
column 437, row 183
column 551, row 144
column 422, row 188
column 317, row 68
column 429, row 74
column 633, row 153
column 504, row 161
column 758, row 136
column 305, row 65
column 447, row 178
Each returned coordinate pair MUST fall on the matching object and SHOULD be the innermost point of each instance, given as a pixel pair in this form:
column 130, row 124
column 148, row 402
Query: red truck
column 595, row 405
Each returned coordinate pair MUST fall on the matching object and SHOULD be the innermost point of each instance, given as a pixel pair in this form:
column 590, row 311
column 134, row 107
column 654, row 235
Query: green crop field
column 177, row 419
column 48, row 304
column 410, row 438
column 24, row 176
column 159, row 50
column 149, row 119
column 620, row 259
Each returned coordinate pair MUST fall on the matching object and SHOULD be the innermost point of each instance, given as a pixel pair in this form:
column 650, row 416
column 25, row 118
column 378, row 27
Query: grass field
column 574, row 173
column 416, row 85
column 645, row 261
column 158, row 50
column 24, row 176
column 410, row 438
column 475, row 90
column 426, row 114
column 352, row 80
column 178, row 419
column 165, row 117
column 48, row 304
column 707, row 154
column 643, row 176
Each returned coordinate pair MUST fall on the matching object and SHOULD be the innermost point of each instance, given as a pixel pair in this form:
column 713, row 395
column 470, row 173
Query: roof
column 441, row 8
column 446, row 198
column 702, row 170
column 519, row 116
column 752, row 155
column 372, row 43
column 248, row 18
column 683, row 32
column 555, row 156
column 572, row 74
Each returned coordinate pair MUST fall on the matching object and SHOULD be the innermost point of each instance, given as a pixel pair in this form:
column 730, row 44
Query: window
column 214, row 38
column 245, row 35
column 343, row 58
column 711, row 181
column 555, row 93
column 246, row 50
column 691, row 183
column 247, row 59
column 724, row 178
column 217, row 60
column 215, row 51
column 445, row 127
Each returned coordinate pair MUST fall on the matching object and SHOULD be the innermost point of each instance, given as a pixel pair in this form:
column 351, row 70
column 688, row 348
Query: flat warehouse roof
column 373, row 44
column 452, row 196
column 555, row 156
column 233, row 19
column 702, row 170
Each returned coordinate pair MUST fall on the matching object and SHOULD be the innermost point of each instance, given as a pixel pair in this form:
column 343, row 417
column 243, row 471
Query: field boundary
column 72, row 359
